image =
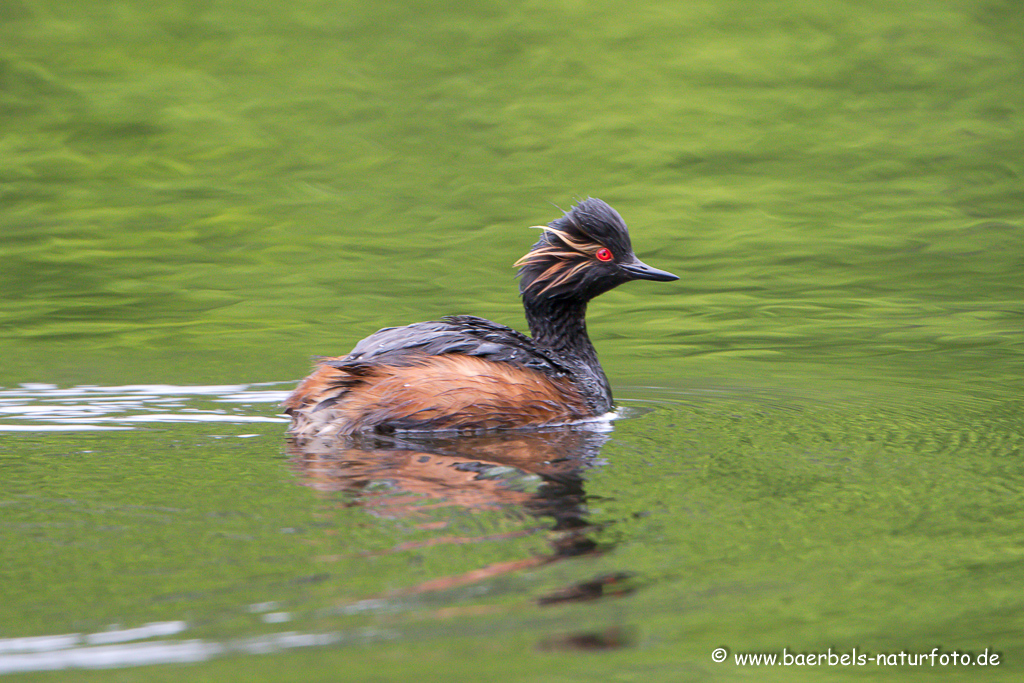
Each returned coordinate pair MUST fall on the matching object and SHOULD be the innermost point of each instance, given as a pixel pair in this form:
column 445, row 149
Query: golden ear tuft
column 561, row 260
column 542, row 254
column 588, row 248
column 562, row 277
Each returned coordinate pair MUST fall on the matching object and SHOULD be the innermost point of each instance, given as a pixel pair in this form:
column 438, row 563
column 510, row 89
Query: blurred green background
column 214, row 191
column 230, row 181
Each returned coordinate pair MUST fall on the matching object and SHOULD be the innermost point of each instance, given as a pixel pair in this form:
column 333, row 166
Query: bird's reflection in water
column 540, row 473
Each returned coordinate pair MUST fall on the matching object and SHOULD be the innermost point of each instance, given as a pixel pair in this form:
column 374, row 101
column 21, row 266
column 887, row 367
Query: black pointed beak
column 638, row 270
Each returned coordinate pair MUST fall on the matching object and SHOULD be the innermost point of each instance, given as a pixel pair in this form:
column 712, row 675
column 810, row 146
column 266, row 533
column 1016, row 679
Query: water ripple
column 114, row 649
column 34, row 407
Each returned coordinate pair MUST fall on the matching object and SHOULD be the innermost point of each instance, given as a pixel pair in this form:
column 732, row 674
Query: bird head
column 581, row 255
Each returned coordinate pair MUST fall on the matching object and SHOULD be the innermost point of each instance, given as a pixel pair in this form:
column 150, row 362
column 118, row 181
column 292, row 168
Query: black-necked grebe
column 468, row 373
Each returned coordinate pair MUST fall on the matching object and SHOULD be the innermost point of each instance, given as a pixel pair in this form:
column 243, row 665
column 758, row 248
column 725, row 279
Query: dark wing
column 460, row 334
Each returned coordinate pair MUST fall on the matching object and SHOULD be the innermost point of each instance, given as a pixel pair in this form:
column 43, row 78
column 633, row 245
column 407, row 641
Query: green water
column 821, row 434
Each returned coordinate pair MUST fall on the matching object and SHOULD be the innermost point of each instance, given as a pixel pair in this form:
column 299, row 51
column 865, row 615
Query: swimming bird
column 466, row 373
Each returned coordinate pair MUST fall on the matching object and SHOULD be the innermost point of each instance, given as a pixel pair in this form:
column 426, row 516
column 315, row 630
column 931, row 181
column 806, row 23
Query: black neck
column 560, row 325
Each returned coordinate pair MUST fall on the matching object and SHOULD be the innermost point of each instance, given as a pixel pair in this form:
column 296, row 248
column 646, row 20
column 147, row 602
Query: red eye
column 604, row 254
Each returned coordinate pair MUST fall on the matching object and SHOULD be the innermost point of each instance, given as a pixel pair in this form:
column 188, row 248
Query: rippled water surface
column 819, row 433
